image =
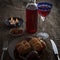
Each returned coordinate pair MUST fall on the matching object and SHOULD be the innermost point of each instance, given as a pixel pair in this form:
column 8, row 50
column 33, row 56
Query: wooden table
column 52, row 27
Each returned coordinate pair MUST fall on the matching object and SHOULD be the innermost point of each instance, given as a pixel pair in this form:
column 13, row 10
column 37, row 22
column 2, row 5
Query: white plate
column 12, row 45
column 11, row 48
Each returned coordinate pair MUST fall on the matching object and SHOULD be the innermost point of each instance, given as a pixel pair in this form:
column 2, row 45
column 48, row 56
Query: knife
column 55, row 49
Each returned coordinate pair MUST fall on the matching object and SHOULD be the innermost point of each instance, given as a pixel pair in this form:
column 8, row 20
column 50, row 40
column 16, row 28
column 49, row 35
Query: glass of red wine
column 44, row 8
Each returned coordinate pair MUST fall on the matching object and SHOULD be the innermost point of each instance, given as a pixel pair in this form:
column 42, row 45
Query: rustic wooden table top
column 52, row 27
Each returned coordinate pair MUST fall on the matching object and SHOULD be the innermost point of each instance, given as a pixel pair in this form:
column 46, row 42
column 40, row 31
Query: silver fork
column 5, row 47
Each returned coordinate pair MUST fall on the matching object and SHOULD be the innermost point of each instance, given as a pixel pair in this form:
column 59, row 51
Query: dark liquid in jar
column 31, row 20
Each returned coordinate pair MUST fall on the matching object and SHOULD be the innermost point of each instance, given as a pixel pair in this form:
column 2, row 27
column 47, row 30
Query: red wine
column 42, row 10
column 43, row 13
column 31, row 20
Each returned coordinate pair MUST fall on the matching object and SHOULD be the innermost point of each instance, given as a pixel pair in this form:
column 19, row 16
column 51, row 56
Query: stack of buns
column 34, row 43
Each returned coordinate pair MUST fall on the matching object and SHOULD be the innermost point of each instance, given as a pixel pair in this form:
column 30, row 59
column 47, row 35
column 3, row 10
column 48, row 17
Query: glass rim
column 44, row 3
column 47, row 4
column 44, row 10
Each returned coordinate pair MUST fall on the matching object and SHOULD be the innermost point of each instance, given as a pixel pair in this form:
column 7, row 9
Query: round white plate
column 12, row 45
column 11, row 48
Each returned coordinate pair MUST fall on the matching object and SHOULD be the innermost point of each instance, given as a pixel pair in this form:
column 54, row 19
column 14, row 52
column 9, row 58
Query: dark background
column 13, row 8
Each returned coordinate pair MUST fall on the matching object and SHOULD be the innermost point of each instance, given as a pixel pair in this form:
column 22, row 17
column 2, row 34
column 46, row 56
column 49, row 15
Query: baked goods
column 37, row 44
column 17, row 21
column 43, row 44
column 34, row 44
column 13, row 22
column 16, row 31
column 23, row 47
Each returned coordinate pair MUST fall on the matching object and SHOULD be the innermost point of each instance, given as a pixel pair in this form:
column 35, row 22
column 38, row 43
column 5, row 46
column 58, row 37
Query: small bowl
column 16, row 32
column 14, row 25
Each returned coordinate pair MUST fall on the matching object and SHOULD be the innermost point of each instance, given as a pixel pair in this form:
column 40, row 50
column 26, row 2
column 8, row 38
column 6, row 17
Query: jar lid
column 33, row 1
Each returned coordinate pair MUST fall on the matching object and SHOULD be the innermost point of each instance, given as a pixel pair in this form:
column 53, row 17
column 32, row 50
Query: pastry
column 12, row 21
column 16, row 31
column 37, row 44
column 17, row 21
column 34, row 44
column 23, row 47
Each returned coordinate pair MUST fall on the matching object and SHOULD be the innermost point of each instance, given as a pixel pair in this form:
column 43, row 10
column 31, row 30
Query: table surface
column 52, row 27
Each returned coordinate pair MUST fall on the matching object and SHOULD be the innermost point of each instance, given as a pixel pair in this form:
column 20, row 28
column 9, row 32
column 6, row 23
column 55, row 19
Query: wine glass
column 44, row 8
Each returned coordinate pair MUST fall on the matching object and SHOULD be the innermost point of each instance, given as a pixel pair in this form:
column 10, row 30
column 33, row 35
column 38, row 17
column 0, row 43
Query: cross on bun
column 37, row 44
column 23, row 47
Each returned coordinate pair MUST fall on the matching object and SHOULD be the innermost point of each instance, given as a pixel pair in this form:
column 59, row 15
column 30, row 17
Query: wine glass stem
column 43, row 23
